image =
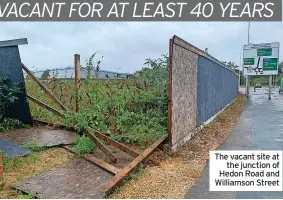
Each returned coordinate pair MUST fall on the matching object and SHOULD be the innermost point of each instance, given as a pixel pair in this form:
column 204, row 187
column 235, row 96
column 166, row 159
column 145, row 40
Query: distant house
column 69, row 72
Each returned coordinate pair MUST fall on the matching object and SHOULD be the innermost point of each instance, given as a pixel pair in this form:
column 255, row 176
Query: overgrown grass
column 84, row 145
column 33, row 146
column 13, row 163
column 133, row 109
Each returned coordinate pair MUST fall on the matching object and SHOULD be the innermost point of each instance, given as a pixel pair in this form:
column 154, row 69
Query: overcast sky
column 126, row 45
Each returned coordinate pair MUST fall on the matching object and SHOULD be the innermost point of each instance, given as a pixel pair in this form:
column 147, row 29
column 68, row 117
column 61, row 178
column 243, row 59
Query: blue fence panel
column 217, row 87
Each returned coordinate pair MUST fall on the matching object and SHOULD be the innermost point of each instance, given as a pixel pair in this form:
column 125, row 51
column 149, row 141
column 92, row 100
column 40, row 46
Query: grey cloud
column 126, row 45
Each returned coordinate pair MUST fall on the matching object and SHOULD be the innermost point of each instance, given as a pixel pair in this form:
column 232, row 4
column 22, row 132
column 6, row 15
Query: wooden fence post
column 77, row 79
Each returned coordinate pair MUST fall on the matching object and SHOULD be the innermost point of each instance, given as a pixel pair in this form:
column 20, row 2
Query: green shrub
column 33, row 146
column 25, row 196
column 10, row 124
column 7, row 95
column 84, row 145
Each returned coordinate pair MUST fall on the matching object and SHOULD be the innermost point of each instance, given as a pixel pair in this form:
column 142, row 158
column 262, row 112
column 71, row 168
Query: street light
column 240, row 68
column 117, row 70
column 249, row 32
column 248, row 78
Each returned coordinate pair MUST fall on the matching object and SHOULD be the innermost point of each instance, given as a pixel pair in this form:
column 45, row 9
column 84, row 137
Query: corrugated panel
column 15, row 42
column 217, row 87
column 10, row 66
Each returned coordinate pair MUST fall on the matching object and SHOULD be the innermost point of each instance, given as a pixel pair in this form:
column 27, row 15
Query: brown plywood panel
column 184, row 90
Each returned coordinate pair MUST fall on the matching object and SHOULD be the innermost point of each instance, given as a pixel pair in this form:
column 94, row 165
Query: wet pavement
column 260, row 128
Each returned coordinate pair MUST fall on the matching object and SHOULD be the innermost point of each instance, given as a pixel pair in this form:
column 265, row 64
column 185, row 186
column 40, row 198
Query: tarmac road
column 260, row 128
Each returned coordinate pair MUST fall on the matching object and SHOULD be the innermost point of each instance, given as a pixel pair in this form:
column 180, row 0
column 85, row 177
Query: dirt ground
column 173, row 177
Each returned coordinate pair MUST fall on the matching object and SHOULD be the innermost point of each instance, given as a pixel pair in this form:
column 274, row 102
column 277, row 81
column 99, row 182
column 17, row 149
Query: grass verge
column 18, row 169
column 174, row 176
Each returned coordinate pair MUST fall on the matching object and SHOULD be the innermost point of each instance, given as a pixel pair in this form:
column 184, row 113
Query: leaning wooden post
column 77, row 79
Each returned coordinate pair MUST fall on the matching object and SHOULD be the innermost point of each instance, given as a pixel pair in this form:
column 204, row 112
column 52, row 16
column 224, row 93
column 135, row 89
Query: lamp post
column 248, row 78
column 241, row 65
column 249, row 32
column 117, row 71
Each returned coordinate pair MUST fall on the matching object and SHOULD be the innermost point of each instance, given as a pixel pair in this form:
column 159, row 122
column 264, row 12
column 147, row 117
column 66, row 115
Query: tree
column 230, row 64
column 46, row 74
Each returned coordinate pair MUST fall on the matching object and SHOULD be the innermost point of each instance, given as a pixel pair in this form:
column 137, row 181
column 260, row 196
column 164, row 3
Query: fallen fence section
column 103, row 148
column 96, row 137
column 102, row 164
column 100, row 136
column 119, row 177
column 118, row 145
column 199, row 87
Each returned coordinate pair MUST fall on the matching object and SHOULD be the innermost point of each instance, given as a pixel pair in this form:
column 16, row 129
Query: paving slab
column 260, row 128
column 42, row 135
column 78, row 180
column 12, row 149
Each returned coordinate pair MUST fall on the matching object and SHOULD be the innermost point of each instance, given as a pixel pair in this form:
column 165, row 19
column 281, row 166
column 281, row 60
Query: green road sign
column 264, row 52
column 270, row 64
column 249, row 61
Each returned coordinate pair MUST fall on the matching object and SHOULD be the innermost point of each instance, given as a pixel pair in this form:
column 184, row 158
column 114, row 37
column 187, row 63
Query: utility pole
column 117, row 71
column 248, row 77
column 270, row 84
column 249, row 32
column 240, row 68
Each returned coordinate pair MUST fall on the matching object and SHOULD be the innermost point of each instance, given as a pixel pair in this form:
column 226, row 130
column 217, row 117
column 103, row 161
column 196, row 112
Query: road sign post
column 247, row 86
column 270, row 85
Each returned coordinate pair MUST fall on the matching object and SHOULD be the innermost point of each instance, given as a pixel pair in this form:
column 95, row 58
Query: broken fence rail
column 119, row 177
column 46, row 90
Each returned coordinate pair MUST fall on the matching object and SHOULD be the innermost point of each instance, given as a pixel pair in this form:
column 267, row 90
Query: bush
column 10, row 124
column 7, row 95
column 84, row 145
